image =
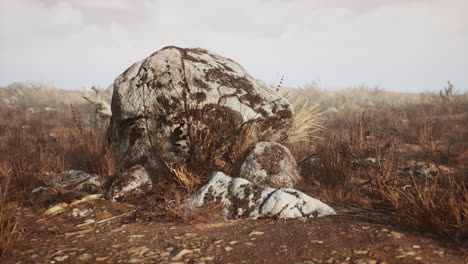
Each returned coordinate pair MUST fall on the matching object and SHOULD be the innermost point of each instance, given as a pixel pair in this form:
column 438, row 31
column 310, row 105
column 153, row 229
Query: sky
column 399, row 45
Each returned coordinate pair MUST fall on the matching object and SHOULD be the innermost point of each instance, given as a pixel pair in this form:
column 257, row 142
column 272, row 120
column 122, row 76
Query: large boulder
column 270, row 164
column 159, row 101
column 242, row 199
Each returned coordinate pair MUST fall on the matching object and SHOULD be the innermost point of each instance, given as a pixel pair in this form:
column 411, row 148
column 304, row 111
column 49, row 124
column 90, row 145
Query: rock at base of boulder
column 270, row 164
column 130, row 181
column 77, row 180
column 242, row 199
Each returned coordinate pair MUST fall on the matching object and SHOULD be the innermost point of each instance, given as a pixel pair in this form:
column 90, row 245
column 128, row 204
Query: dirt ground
column 348, row 237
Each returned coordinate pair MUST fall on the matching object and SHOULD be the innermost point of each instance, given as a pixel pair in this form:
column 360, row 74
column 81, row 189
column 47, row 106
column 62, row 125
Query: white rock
column 242, row 199
column 132, row 180
column 270, row 164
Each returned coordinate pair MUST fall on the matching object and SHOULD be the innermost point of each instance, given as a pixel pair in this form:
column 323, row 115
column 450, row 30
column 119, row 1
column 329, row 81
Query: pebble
column 397, row 235
column 89, row 221
column 365, row 261
column 256, row 233
column 233, row 242
column 179, row 254
column 416, row 246
column 136, row 236
column 228, row 249
column 61, row 258
column 84, row 257
column 360, row 252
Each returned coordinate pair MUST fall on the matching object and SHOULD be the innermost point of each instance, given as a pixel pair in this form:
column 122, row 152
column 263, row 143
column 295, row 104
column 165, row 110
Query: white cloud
column 399, row 44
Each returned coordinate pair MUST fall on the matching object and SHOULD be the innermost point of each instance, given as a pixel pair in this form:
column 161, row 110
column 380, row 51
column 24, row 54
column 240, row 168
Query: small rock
column 131, row 181
column 61, row 258
column 84, row 257
column 87, row 198
column 228, row 249
column 136, row 236
column 256, row 233
column 56, row 209
column 77, row 180
column 178, row 254
column 90, row 221
column 233, row 242
column 360, row 252
column 365, row 261
column 416, row 246
column 270, row 164
column 397, row 235
column 80, row 213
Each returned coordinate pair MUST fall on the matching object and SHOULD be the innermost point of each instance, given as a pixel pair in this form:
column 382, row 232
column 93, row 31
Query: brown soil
column 352, row 236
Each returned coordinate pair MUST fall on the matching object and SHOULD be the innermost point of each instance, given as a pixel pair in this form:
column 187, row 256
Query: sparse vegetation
column 354, row 154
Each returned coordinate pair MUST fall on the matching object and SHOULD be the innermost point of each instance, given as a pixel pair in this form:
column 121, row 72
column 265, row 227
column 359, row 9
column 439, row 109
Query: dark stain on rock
column 285, row 113
column 270, row 159
column 199, row 97
column 198, row 83
column 136, row 132
column 219, row 76
column 187, row 56
column 227, row 68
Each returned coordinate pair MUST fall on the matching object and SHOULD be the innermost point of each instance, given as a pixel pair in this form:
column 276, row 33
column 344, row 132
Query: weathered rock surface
column 270, row 164
column 76, row 180
column 242, row 199
column 130, row 181
column 159, row 99
column 420, row 169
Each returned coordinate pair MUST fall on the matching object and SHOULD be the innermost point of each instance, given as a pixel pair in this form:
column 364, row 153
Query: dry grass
column 307, row 121
column 438, row 205
column 35, row 146
column 8, row 221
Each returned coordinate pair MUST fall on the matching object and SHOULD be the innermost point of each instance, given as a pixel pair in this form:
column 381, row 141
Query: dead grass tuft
column 8, row 221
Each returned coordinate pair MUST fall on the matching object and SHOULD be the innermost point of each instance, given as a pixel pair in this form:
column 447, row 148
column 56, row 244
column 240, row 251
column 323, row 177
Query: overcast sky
column 401, row 45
